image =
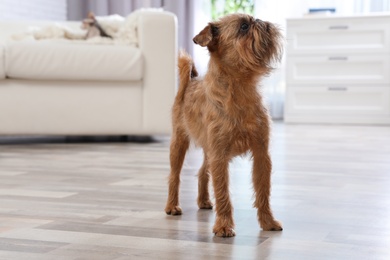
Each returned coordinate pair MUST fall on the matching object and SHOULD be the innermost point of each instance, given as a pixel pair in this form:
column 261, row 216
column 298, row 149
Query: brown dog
column 224, row 114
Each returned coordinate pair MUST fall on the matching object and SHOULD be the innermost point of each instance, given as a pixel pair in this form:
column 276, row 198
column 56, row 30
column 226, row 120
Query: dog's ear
column 91, row 15
column 207, row 36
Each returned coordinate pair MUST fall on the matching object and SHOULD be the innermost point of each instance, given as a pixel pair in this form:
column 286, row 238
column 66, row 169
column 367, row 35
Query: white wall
column 33, row 9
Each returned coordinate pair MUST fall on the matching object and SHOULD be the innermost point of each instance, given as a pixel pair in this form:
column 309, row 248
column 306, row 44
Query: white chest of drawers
column 338, row 70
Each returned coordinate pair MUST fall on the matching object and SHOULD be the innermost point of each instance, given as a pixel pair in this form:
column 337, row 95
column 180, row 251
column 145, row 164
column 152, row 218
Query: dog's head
column 241, row 42
column 88, row 22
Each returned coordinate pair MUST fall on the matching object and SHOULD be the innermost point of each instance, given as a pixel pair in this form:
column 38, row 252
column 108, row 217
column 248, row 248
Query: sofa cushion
column 72, row 61
column 2, row 62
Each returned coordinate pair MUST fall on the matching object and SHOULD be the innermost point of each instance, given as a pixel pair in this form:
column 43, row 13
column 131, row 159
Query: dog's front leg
column 261, row 176
column 179, row 146
column 224, row 223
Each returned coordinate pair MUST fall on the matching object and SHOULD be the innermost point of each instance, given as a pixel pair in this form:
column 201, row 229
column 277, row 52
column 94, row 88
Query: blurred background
column 193, row 15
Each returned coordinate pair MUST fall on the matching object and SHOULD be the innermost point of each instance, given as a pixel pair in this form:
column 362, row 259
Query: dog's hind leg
column 261, row 176
column 179, row 146
column 203, row 186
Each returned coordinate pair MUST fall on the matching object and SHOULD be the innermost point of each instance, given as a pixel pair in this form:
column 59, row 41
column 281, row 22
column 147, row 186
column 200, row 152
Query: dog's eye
column 244, row 27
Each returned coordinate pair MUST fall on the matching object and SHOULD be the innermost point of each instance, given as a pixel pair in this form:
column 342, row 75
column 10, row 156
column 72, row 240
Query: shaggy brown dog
column 224, row 114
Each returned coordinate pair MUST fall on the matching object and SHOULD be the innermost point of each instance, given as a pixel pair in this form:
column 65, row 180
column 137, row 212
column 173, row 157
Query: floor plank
column 105, row 200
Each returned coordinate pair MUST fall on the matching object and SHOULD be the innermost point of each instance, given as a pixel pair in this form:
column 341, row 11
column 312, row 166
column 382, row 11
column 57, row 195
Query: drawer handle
column 337, row 88
column 339, row 27
column 338, row 58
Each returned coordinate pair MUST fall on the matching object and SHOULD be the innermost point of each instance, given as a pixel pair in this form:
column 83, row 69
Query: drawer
column 338, row 100
column 338, row 35
column 356, row 69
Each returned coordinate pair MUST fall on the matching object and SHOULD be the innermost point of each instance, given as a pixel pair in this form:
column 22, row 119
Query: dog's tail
column 187, row 71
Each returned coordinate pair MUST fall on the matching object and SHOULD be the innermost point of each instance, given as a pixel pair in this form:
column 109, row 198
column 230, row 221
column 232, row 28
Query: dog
column 93, row 27
column 224, row 114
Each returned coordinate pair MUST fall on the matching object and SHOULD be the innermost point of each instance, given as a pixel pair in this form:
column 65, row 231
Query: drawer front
column 357, row 69
column 338, row 100
column 339, row 35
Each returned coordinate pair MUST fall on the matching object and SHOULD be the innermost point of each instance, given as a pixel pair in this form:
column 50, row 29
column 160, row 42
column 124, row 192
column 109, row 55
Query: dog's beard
column 260, row 48
column 271, row 42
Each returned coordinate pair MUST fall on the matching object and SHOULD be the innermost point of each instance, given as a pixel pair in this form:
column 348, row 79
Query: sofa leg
column 140, row 138
column 124, row 138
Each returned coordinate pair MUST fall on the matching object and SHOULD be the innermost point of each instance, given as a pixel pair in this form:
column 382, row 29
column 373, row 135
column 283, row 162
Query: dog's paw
column 173, row 210
column 207, row 204
column 224, row 232
column 272, row 226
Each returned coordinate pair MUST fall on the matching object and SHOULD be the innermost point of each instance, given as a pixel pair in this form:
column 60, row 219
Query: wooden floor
column 331, row 190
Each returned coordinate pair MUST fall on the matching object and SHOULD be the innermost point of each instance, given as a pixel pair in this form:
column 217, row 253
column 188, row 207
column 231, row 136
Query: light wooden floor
column 331, row 189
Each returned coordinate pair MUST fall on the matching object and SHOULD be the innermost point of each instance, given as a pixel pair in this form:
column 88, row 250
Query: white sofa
column 54, row 88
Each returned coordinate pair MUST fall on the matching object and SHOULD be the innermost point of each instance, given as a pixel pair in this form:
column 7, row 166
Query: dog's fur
column 224, row 114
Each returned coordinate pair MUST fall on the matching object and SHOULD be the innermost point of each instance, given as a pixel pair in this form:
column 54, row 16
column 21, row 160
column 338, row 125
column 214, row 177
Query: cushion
column 47, row 60
column 2, row 62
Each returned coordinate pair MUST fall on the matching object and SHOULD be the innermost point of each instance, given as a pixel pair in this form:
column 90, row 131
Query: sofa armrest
column 157, row 32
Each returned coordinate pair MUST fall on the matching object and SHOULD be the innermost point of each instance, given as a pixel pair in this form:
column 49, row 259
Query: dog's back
column 190, row 103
